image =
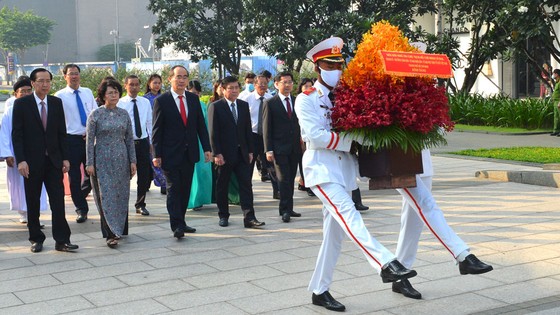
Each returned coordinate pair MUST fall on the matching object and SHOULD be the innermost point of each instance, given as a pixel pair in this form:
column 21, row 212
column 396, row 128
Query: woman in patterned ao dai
column 111, row 161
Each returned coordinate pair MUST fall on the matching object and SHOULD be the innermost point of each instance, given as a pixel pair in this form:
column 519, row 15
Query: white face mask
column 331, row 77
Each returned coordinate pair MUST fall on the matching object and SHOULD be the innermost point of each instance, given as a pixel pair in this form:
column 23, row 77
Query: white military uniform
column 330, row 171
column 419, row 209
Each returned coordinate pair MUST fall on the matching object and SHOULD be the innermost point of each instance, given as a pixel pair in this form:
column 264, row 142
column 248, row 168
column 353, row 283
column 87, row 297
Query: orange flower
column 366, row 66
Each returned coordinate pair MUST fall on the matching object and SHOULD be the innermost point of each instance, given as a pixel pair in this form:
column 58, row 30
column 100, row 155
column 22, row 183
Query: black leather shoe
column 163, row 190
column 295, row 214
column 265, row 178
column 472, row 265
column 142, row 211
column 361, row 207
column 65, row 247
column 405, row 288
column 310, row 193
column 396, row 271
column 301, row 187
column 223, row 222
column 189, row 229
column 36, row 247
column 81, row 218
column 326, row 300
column 286, row 217
column 179, row 234
column 253, row 224
column 276, row 195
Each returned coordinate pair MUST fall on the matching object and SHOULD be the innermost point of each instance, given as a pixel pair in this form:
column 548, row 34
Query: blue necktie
column 83, row 117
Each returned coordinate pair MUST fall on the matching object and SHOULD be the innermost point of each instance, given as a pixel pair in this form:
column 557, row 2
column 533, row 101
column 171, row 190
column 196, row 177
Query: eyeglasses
column 286, row 82
column 43, row 82
column 73, row 74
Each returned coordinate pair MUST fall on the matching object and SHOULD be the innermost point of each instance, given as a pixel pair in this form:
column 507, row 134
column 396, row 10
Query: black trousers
column 79, row 189
column 179, row 182
column 143, row 171
column 266, row 166
column 51, row 176
column 286, row 169
column 244, row 172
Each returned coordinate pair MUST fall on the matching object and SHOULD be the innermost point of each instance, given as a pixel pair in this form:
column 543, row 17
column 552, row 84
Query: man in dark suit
column 39, row 139
column 178, row 124
column 281, row 135
column 231, row 137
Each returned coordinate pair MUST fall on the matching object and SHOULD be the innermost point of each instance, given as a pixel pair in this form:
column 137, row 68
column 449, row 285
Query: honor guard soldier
column 330, row 171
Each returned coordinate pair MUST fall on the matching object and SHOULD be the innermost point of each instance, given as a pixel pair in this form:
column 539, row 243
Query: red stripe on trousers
column 426, row 222
column 336, row 143
column 346, row 226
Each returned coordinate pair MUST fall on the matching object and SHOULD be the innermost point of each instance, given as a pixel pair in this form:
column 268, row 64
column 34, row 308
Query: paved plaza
column 515, row 227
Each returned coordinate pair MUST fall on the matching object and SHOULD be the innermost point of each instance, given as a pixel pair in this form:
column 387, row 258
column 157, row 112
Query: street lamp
column 115, row 34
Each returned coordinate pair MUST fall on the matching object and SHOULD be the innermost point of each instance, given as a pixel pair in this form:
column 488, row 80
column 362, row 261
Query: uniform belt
column 140, row 140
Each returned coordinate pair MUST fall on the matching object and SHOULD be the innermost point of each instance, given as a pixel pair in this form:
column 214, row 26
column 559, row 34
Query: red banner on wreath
column 408, row 64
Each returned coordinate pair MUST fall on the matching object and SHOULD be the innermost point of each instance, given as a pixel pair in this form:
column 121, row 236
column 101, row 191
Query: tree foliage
column 127, row 51
column 203, row 29
column 20, row 31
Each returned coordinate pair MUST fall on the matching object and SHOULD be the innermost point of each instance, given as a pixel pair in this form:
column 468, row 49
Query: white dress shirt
column 178, row 102
column 283, row 98
column 39, row 106
column 254, row 106
column 71, row 113
column 144, row 112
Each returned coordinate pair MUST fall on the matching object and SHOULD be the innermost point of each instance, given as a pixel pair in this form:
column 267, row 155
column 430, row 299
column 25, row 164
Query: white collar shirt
column 38, row 101
column 254, row 107
column 283, row 98
column 178, row 102
column 71, row 112
column 144, row 113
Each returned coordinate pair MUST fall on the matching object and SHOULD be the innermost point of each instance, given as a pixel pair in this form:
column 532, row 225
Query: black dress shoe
column 223, row 222
column 361, row 207
column 265, row 178
column 179, row 233
column 81, row 218
column 396, row 271
column 253, row 224
column 286, row 217
column 326, row 300
column 36, row 247
column 405, row 288
column 301, row 187
column 189, row 229
column 276, row 195
column 65, row 247
column 472, row 265
column 142, row 211
column 295, row 214
column 163, row 191
column 310, row 193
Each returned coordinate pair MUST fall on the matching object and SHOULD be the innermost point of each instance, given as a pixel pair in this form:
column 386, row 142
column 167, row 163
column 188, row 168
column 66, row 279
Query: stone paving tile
column 214, row 309
column 146, row 307
column 525, row 272
column 7, row 264
column 165, row 274
column 101, row 272
column 231, row 276
column 61, row 292
column 188, row 259
column 249, row 261
column 523, row 291
column 271, row 301
column 17, row 285
column 56, row 306
column 121, row 295
column 126, row 257
column 8, row 300
column 39, row 270
column 450, row 305
column 226, row 292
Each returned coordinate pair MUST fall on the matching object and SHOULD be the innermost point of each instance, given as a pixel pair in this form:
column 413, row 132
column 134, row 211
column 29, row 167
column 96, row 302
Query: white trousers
column 419, row 209
column 340, row 218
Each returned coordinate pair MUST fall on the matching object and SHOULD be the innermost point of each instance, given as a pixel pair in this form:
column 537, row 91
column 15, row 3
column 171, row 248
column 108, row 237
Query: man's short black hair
column 33, row 75
column 68, row 66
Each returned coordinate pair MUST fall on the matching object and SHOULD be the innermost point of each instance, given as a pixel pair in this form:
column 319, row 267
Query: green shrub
column 501, row 111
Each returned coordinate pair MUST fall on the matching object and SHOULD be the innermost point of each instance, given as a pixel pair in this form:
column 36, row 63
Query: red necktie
column 288, row 107
column 183, row 111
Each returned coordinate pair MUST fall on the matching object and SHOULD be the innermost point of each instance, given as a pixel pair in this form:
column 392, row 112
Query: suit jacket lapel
column 176, row 111
column 37, row 114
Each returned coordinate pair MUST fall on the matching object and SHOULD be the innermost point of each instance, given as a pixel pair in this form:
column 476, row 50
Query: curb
column 547, row 179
